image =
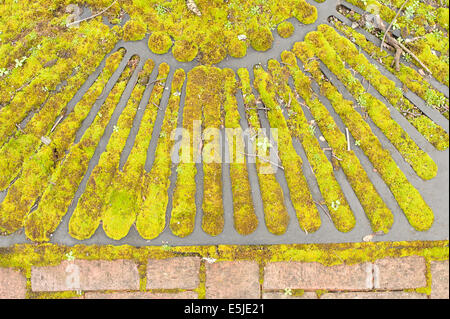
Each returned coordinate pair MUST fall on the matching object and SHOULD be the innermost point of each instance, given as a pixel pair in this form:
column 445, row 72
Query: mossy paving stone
column 401, row 229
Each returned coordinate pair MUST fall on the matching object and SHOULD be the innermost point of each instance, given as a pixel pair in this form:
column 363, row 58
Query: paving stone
column 374, row 295
column 439, row 280
column 281, row 295
column 314, row 276
column 13, row 285
column 173, row 273
column 400, row 273
column 232, row 280
column 86, row 275
column 141, row 295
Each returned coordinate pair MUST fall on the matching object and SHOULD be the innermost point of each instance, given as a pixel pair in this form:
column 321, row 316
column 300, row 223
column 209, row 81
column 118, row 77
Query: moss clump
column 159, row 42
column 275, row 213
column 305, row 13
column 212, row 52
column 151, row 219
column 237, row 48
column 261, row 38
column 64, row 182
column 285, row 29
column 134, row 30
column 184, row 50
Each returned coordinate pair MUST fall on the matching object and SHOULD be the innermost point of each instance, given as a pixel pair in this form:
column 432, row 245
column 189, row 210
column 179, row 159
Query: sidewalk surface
column 185, row 277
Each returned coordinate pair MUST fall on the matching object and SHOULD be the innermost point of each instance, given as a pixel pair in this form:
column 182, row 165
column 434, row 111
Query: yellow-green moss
column 420, row 161
column 42, row 222
column 275, row 213
column 339, row 210
column 151, row 219
column 159, row 42
column 38, row 168
column 128, row 194
column 419, row 214
column 285, row 29
column 184, row 50
column 261, row 38
column 245, row 219
column 134, row 30
column 380, row 216
column 91, row 205
column 307, row 213
column 237, row 48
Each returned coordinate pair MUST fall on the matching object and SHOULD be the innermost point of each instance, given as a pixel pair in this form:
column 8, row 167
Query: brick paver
column 374, row 295
column 439, row 280
column 281, row 295
column 13, row 285
column 86, row 275
column 314, row 276
column 141, row 295
column 400, row 273
column 172, row 273
column 232, row 280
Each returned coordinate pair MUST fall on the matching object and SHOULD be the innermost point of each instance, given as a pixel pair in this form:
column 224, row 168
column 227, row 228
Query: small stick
column 392, row 22
column 414, row 57
column 19, row 128
column 348, row 139
column 93, row 16
column 157, row 80
column 57, row 122
column 324, row 210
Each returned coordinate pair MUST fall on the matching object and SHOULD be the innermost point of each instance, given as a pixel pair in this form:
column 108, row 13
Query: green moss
column 245, row 219
column 91, row 206
column 299, row 127
column 134, row 30
column 184, row 50
column 285, row 29
column 64, row 182
column 237, row 48
column 301, row 198
column 212, row 52
column 38, row 168
column 409, row 199
column 420, row 161
column 151, row 219
column 127, row 195
column 275, row 213
column 159, row 42
column 261, row 38
column 380, row 216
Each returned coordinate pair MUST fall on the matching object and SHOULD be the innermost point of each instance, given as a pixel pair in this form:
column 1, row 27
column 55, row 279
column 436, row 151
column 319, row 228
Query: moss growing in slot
column 151, row 219
column 127, row 194
column 212, row 100
column 134, row 30
column 159, row 42
column 418, row 213
column 42, row 222
column 285, row 29
column 39, row 167
column 261, row 38
column 420, row 161
column 184, row 50
column 275, row 213
column 245, row 220
column 91, row 205
column 380, row 217
column 212, row 52
column 299, row 127
column 302, row 200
